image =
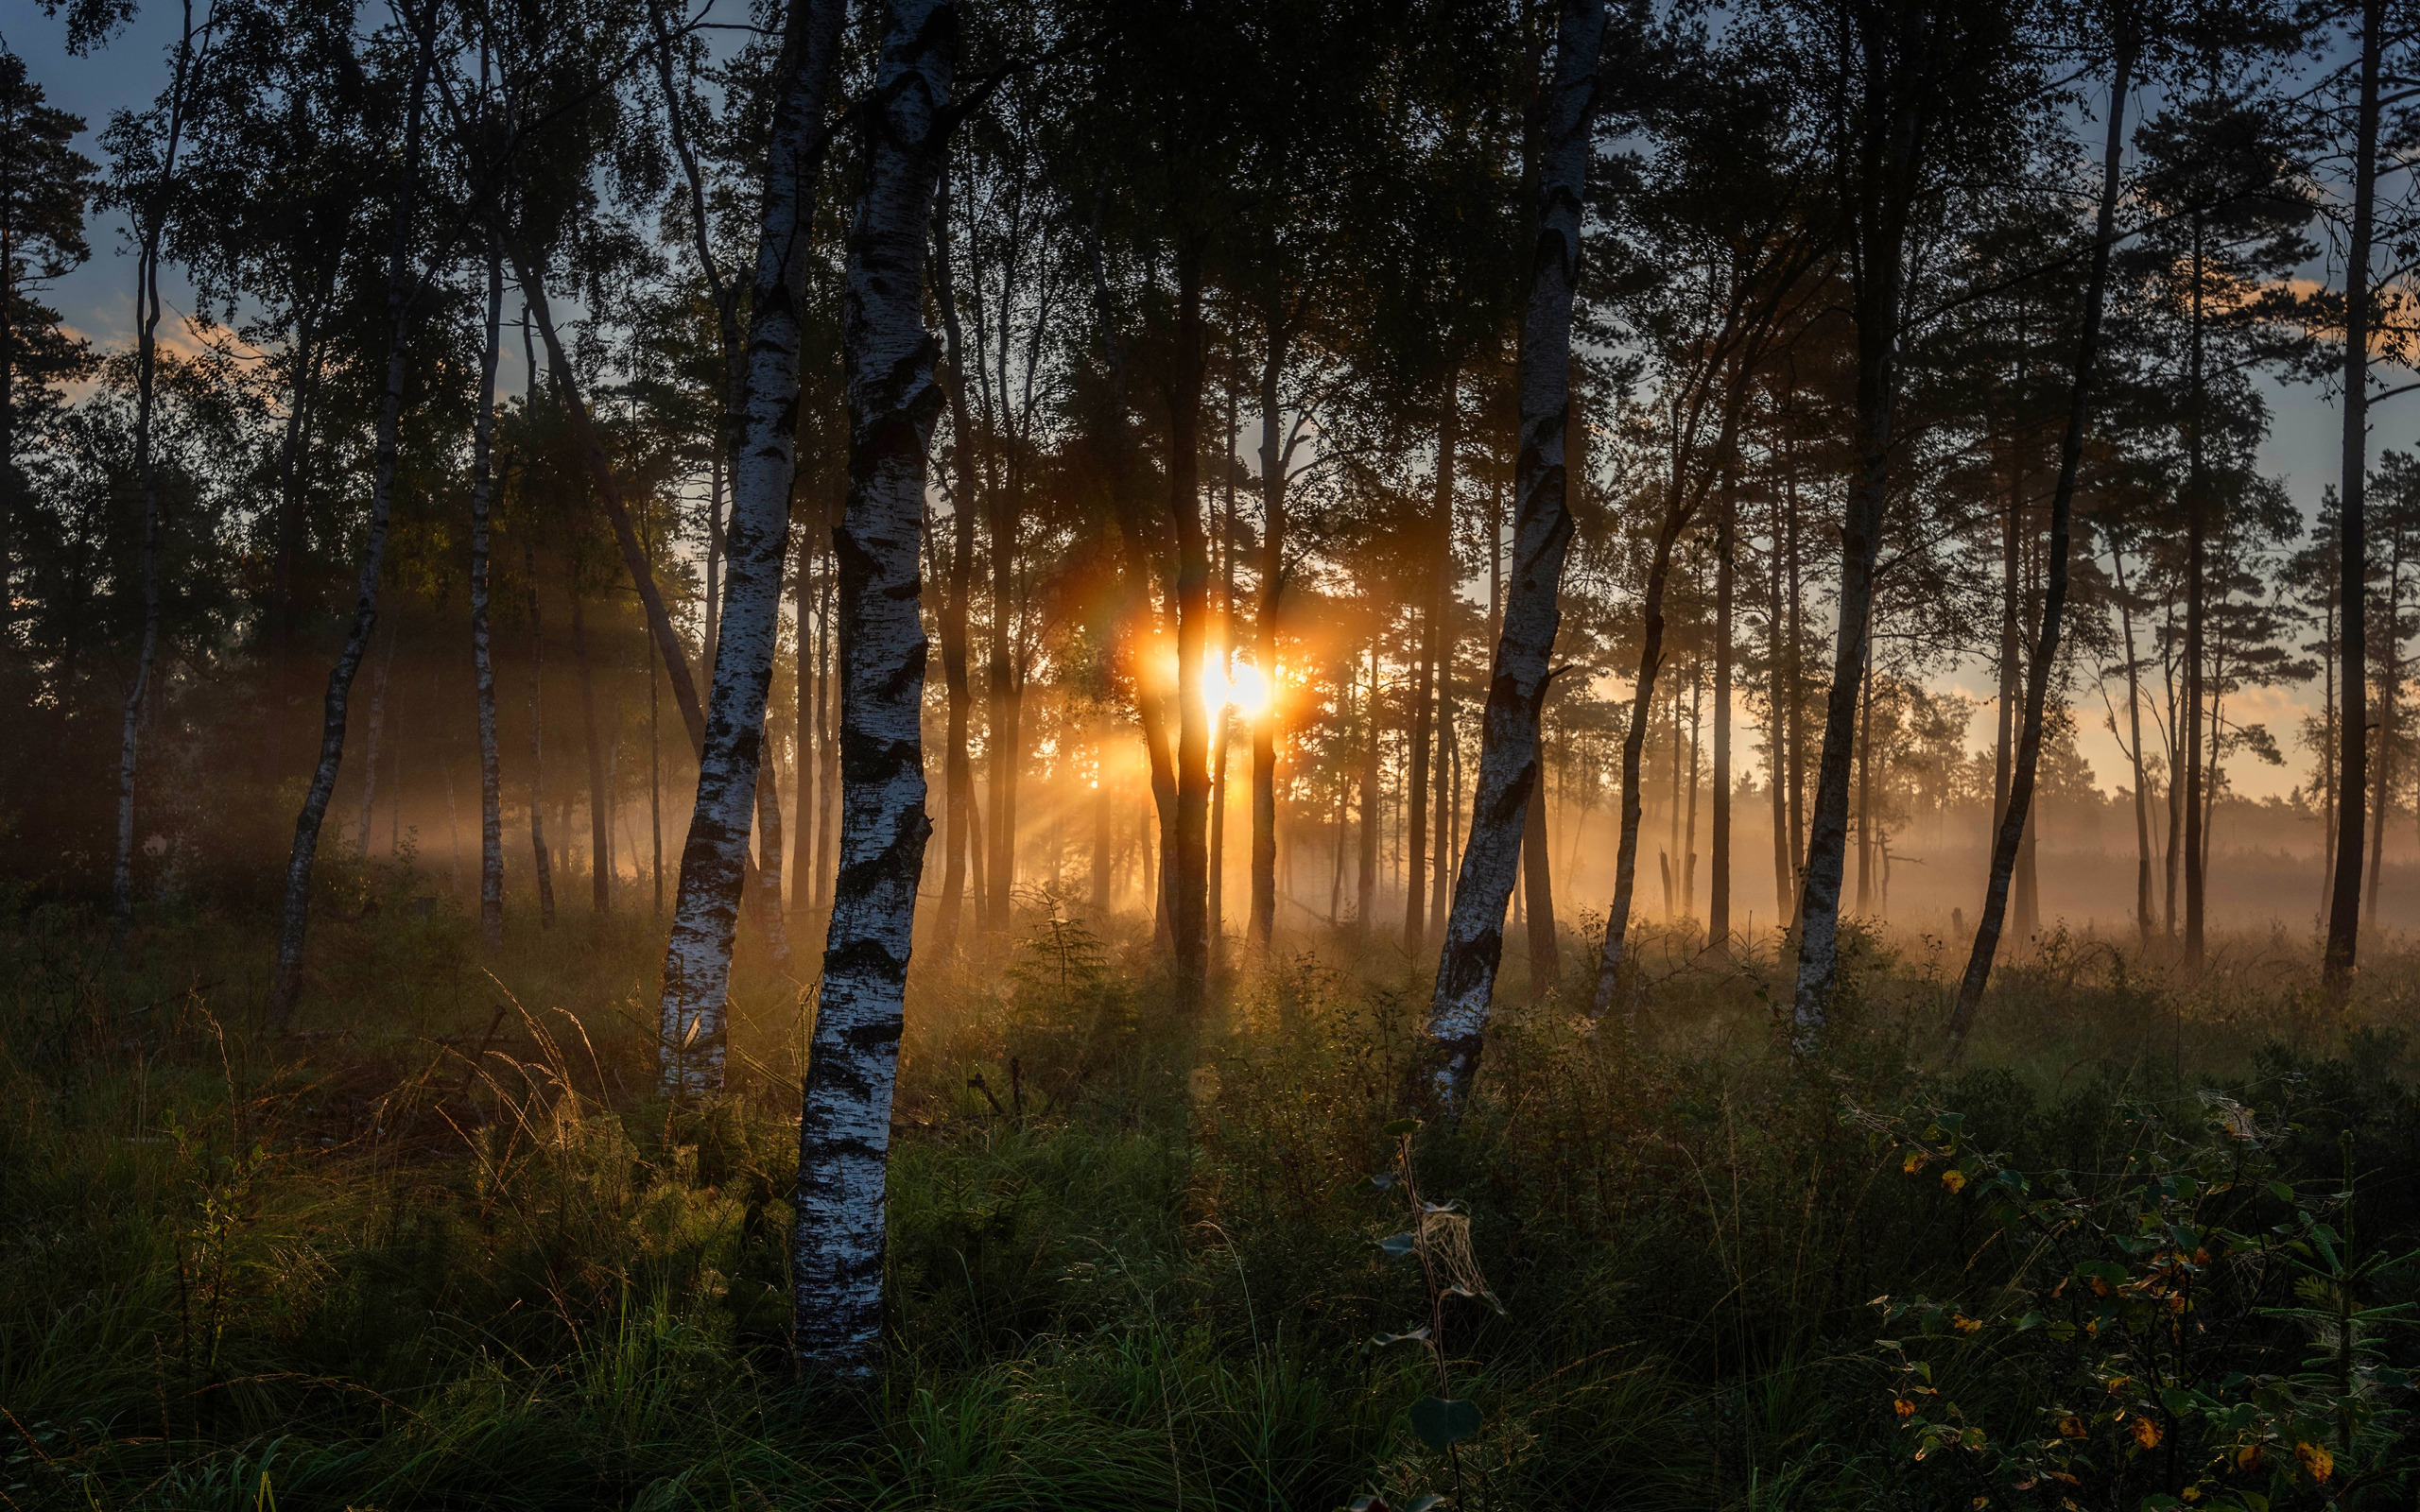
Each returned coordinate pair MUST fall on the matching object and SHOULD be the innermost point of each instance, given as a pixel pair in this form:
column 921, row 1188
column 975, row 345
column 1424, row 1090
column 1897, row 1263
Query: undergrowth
column 2149, row 1246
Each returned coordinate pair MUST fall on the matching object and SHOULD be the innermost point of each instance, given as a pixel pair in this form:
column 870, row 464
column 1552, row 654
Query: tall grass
column 445, row 1249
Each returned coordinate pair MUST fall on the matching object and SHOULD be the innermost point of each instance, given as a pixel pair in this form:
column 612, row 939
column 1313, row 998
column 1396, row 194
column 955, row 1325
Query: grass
column 445, row 1249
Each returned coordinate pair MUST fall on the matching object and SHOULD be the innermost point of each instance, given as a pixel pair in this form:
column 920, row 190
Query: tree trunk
column 1190, row 866
column 146, row 307
column 805, row 820
column 1718, row 910
column 1274, row 459
column 537, row 745
column 1865, row 789
column 2344, row 913
column 600, row 889
column 1424, row 687
column 2391, row 646
column 483, row 659
column 958, row 784
column 1508, row 773
column 1681, row 505
column 844, row 1127
column 285, row 990
column 1003, row 740
column 1373, row 811
column 1135, row 538
column 2135, row 720
column 2054, row 597
column 1537, row 891
column 1882, row 229
column 1777, row 724
column 714, row 859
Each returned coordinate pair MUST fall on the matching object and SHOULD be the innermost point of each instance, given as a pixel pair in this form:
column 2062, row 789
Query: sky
column 97, row 301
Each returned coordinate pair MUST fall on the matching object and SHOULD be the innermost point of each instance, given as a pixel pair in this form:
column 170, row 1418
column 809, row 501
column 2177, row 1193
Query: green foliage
column 444, row 1249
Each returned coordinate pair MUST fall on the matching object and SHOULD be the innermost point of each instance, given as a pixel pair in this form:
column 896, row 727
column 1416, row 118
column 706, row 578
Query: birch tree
column 1508, row 770
column 844, row 1123
column 714, row 859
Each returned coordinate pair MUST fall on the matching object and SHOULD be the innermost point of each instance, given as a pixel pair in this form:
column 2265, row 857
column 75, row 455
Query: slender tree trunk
column 1004, row 742
column 1373, row 811
column 714, row 860
column 146, row 308
column 537, row 745
column 2391, row 648
column 1537, row 890
column 1415, row 927
column 1508, row 774
column 965, row 499
column 1681, row 505
column 2344, row 913
column 285, row 988
column 802, row 806
column 1189, row 865
column 713, row 563
column 2196, row 553
column 1886, row 199
column 1273, row 462
column 1865, row 789
column 1777, row 724
column 2134, row 724
column 483, row 659
column 844, row 1127
column 827, row 810
column 600, row 892
column 1137, row 538
column 1718, row 911
column 2054, row 597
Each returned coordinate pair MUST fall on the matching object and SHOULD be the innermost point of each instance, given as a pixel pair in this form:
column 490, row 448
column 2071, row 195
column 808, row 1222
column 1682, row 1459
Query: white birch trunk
column 1508, row 763
column 844, row 1127
column 482, row 657
column 715, row 860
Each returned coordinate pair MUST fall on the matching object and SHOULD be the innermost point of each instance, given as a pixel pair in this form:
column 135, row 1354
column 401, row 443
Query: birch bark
column 714, row 858
column 482, row 658
column 285, row 988
column 844, row 1124
column 1508, row 768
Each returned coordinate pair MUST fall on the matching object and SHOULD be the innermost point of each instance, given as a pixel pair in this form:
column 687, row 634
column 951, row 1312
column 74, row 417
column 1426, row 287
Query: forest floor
column 444, row 1247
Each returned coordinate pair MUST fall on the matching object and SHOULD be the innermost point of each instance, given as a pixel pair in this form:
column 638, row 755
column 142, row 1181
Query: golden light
column 1248, row 691
column 1244, row 691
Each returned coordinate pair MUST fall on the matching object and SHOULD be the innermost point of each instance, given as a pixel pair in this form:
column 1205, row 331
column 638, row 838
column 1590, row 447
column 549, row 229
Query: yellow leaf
column 1964, row 1324
column 1915, row 1162
column 1954, row 1179
column 2146, row 1433
column 2248, row 1457
column 1903, row 1407
column 2071, row 1426
column 2317, row 1460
